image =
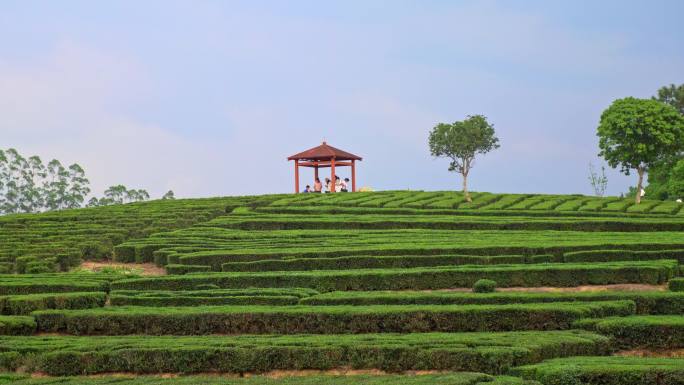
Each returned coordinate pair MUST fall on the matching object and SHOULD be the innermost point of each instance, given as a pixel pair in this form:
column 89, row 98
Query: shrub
column 606, row 371
column 659, row 332
column 479, row 352
column 184, row 269
column 484, row 286
column 323, row 319
column 676, row 284
column 17, row 325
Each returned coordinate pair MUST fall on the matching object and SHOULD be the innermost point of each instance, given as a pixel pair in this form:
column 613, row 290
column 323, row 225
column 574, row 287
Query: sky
column 208, row 98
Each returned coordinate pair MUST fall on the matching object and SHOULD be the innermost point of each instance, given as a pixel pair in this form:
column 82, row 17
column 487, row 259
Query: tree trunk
column 466, row 194
column 640, row 170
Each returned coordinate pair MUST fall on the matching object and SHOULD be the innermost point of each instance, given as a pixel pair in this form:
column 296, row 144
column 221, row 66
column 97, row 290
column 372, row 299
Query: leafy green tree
column 637, row 133
column 169, row 195
column 460, row 142
column 675, row 184
column 672, row 95
column 78, row 187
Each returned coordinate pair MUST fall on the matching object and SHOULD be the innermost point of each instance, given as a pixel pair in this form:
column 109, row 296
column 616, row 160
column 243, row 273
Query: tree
column 675, row 184
column 637, row 133
column 599, row 183
column 672, row 95
column 169, row 195
column 460, row 142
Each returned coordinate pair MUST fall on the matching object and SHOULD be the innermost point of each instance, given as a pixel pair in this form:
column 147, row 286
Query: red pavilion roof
column 324, row 152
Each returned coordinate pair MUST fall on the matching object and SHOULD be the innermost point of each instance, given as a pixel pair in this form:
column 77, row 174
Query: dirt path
column 144, row 268
column 576, row 289
column 671, row 353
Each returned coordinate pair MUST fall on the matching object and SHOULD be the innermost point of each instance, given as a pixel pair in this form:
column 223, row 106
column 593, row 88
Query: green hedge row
column 25, row 304
column 323, row 319
column 622, row 255
column 559, row 275
column 209, row 297
column 606, row 371
column 13, row 286
column 184, row 269
column 372, row 262
column 647, row 302
column 17, row 325
column 492, row 353
column 658, row 332
column 459, row 378
column 676, row 284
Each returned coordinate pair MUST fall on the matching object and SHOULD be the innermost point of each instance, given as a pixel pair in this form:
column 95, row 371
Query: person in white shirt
column 345, row 185
column 338, row 184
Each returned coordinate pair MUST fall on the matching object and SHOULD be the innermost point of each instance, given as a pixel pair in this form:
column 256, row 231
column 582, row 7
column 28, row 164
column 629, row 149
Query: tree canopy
column 461, row 141
column 635, row 134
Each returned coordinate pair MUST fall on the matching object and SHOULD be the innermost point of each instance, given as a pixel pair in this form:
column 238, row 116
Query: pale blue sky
column 209, row 97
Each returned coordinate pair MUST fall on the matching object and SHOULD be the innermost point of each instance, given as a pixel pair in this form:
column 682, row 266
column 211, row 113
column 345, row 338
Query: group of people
column 340, row 185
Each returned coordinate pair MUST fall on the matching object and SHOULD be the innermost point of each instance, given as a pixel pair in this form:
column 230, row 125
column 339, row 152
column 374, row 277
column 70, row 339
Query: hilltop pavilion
column 325, row 156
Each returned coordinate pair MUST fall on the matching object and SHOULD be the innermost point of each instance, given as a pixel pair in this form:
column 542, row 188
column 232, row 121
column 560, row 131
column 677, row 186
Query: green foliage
column 550, row 274
column 606, row 371
column 645, row 331
column 637, row 133
column 27, row 303
column 492, row 353
column 672, row 95
column 209, row 297
column 676, row 284
column 647, row 302
column 461, row 141
column 484, row 286
column 17, row 325
column 28, row 186
column 324, row 319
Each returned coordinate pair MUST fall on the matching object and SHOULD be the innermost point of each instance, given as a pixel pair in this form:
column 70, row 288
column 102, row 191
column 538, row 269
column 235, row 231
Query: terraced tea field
column 351, row 288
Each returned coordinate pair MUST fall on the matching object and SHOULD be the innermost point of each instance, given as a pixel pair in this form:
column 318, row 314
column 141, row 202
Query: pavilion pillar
column 353, row 172
column 332, row 175
column 296, row 176
column 316, row 171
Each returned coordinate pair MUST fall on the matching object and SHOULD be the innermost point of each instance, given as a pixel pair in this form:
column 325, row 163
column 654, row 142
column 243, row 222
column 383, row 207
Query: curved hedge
column 323, row 319
column 658, row 332
column 550, row 274
column 25, row 304
column 492, row 353
column 17, row 325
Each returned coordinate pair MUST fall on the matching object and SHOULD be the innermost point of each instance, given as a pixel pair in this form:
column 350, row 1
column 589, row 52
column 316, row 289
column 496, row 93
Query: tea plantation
column 351, row 288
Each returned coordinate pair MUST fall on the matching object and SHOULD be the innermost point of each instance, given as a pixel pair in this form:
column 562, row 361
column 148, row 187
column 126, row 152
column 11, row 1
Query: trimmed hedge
column 659, row 332
column 606, row 371
column 13, row 286
column 367, row 262
column 17, row 325
column 647, row 302
column 25, row 304
column 323, row 319
column 623, row 255
column 209, row 297
column 492, row 353
column 676, row 284
column 560, row 275
column 185, row 269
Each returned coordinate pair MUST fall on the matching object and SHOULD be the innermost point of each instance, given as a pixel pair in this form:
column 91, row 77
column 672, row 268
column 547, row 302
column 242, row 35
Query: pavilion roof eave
column 324, row 152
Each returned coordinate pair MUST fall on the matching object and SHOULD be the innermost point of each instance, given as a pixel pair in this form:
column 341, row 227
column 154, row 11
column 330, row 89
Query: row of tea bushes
column 27, row 303
column 60, row 240
column 209, row 297
column 17, row 325
column 55, row 283
column 676, row 284
column 550, row 274
column 493, row 353
column 200, row 320
column 482, row 202
column 647, row 302
column 606, row 371
column 655, row 332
